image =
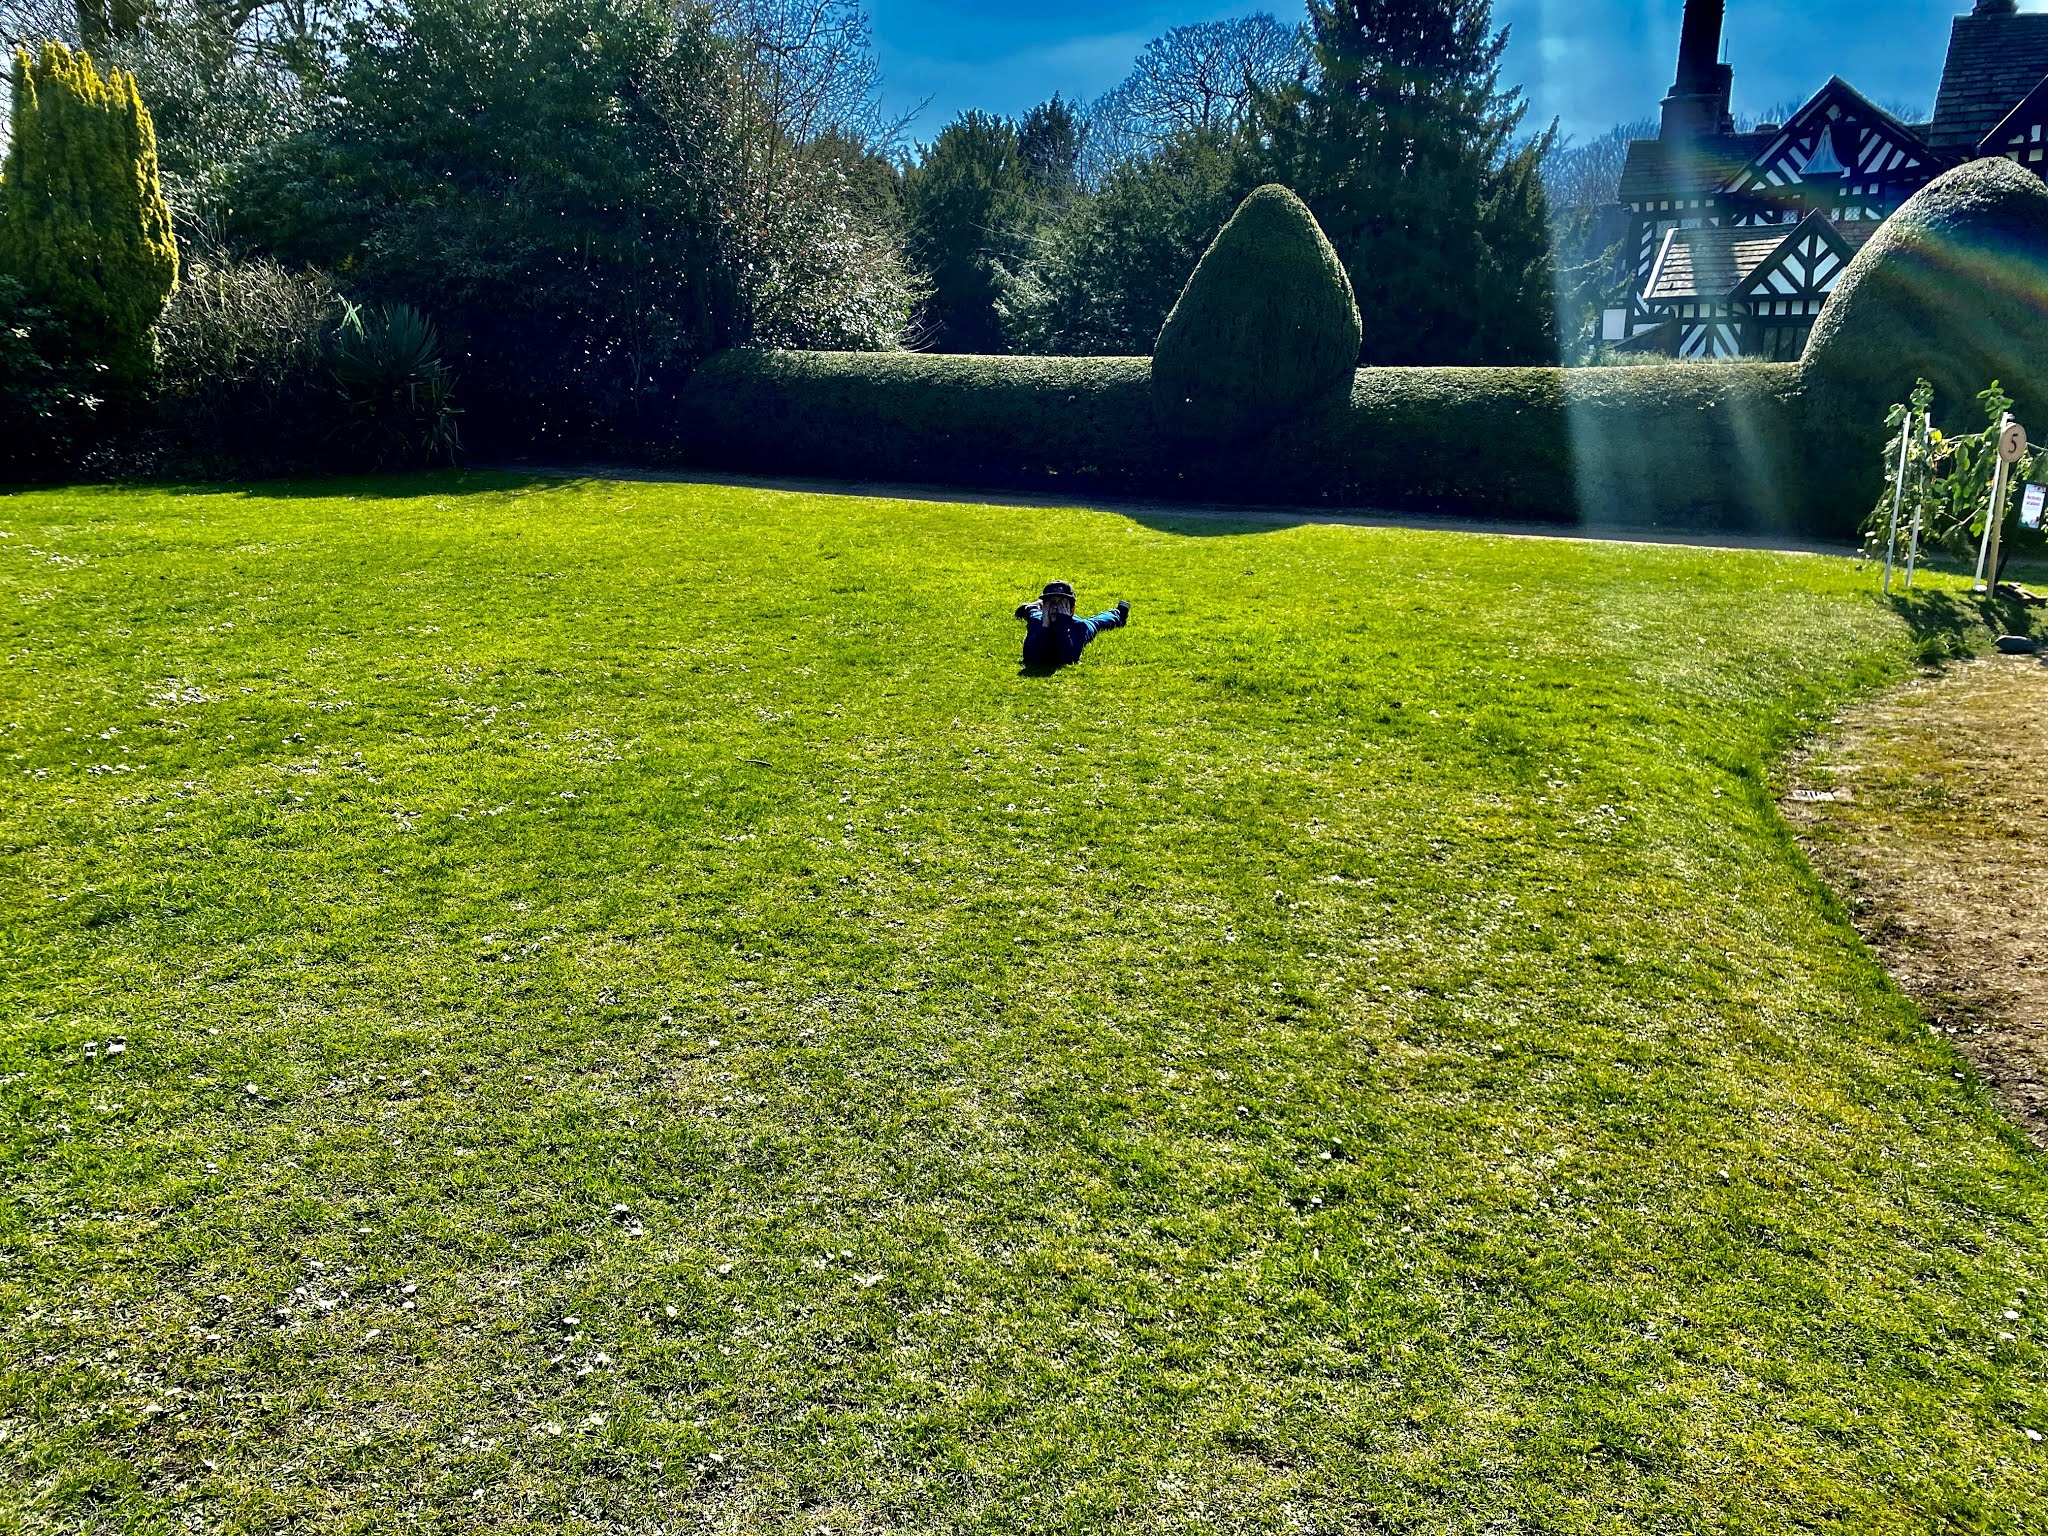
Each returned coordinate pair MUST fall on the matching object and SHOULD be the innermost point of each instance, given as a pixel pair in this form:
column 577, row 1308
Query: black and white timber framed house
column 1734, row 240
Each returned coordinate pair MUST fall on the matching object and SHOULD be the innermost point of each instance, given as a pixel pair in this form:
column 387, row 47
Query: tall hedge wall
column 1704, row 446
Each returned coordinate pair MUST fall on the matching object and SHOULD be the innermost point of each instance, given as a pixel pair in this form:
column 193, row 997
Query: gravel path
column 1937, row 837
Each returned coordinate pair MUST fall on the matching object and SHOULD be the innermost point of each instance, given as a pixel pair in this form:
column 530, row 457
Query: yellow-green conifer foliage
column 83, row 222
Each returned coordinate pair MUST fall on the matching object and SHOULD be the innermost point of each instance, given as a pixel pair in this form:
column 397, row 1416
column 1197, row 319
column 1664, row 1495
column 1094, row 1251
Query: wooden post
column 1919, row 496
column 1996, row 509
column 1891, row 536
column 2012, row 447
column 1998, row 494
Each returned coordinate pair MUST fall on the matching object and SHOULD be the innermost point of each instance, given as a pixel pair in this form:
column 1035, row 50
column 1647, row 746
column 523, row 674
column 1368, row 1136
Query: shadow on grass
column 1948, row 624
column 1225, row 521
column 398, row 486
column 366, row 487
column 1188, row 519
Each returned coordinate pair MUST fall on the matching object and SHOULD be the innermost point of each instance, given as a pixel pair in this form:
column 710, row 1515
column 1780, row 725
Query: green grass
column 1360, row 1053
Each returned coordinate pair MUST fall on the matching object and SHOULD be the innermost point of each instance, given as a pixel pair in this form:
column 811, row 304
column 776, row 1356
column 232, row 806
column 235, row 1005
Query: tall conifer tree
column 966, row 203
column 83, row 223
column 1402, row 143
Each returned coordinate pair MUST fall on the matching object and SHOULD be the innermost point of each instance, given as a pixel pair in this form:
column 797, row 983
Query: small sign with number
column 2032, row 499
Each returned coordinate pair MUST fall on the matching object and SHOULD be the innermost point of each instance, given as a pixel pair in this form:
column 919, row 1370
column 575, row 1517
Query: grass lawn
column 637, row 1018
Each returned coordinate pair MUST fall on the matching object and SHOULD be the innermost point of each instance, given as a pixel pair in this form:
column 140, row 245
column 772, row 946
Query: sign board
column 2032, row 499
column 1613, row 324
column 2012, row 443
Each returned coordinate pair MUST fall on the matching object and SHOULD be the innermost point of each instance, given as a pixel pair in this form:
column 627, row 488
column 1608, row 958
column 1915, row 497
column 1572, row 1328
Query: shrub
column 1950, row 289
column 588, row 196
column 397, row 407
column 48, row 401
column 1266, row 323
column 1949, row 480
column 1702, row 447
column 83, row 223
column 266, row 370
column 244, row 381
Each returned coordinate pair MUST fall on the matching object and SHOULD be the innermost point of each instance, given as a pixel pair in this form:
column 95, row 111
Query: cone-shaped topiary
column 1952, row 288
column 1266, row 323
column 83, row 223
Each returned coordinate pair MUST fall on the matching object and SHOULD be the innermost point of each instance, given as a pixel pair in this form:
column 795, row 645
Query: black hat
column 1057, row 589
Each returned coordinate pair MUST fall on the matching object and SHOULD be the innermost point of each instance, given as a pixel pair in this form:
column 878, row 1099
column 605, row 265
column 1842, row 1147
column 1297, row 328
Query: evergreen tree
column 1403, row 145
column 1103, row 272
column 83, row 224
column 966, row 205
column 1050, row 140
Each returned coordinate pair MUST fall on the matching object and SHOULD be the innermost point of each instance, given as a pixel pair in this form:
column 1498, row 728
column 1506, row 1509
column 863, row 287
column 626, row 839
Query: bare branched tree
column 810, row 64
column 24, row 23
column 1194, row 79
column 802, row 113
column 1587, row 176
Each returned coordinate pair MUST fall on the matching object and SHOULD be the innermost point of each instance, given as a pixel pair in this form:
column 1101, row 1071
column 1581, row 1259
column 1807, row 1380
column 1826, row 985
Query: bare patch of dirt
column 1927, row 810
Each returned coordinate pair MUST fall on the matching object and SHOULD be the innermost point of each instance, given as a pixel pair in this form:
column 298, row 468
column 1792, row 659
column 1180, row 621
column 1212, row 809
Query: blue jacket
column 1060, row 644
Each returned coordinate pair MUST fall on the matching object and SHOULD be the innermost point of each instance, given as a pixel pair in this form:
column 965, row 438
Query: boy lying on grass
column 1053, row 637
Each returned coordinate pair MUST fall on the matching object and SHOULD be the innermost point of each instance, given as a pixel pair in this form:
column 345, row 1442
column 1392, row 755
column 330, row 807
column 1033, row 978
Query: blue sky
column 1590, row 63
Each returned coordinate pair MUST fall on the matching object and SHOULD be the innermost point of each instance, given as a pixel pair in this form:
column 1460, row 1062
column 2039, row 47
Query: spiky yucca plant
column 397, row 394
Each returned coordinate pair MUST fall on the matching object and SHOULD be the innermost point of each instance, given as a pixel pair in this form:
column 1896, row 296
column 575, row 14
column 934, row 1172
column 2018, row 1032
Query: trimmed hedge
column 1705, row 446
column 947, row 417
column 1266, row 323
column 1952, row 288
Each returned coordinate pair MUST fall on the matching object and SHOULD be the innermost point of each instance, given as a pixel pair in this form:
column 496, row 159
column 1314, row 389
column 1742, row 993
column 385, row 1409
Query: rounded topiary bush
column 1953, row 288
column 1266, row 323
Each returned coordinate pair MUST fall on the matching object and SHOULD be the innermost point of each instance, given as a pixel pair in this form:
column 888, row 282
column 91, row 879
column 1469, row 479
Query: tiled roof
column 1715, row 262
column 1711, row 263
column 1668, row 168
column 1847, row 236
column 2029, row 111
column 1993, row 61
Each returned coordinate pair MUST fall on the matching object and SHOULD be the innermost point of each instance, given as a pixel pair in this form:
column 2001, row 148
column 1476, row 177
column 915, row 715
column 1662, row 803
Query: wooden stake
column 1891, row 536
column 1997, row 507
column 2000, row 486
column 1919, row 496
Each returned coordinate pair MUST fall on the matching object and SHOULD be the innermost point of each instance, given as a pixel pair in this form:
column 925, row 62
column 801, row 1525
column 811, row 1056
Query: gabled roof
column 1834, row 103
column 1667, row 168
column 1993, row 61
column 2032, row 108
column 1842, row 239
column 1710, row 263
column 1734, row 261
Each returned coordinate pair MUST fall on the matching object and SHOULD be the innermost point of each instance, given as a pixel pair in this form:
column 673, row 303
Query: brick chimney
column 1698, row 104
